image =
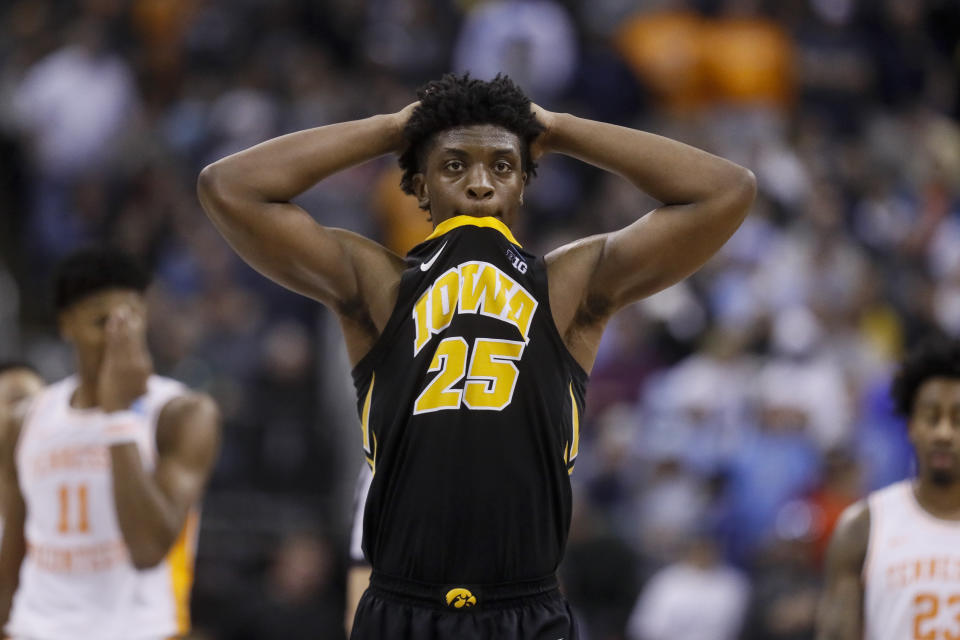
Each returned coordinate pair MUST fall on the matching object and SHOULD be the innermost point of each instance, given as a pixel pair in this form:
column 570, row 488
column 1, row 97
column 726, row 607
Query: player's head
column 468, row 148
column 18, row 381
column 89, row 286
column 926, row 391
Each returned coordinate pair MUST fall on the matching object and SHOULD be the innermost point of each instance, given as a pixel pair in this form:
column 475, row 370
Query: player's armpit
column 840, row 616
column 152, row 508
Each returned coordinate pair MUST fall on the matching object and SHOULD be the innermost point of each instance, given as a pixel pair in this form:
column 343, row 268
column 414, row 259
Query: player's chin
column 943, row 477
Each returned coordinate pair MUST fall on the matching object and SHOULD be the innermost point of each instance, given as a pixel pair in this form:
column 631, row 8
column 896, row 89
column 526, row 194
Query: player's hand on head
column 541, row 145
column 126, row 363
column 400, row 119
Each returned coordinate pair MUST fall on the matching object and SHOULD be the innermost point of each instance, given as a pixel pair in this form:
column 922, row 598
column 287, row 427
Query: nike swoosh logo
column 429, row 263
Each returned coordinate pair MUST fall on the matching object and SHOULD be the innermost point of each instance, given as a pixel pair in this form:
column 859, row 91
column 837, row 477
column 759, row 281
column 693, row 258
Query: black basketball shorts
column 393, row 609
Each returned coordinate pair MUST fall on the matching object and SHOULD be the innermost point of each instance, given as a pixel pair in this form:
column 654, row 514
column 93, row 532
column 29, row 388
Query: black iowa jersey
column 470, row 406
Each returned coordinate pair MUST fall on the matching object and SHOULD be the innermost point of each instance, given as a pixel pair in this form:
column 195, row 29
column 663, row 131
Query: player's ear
column 419, row 184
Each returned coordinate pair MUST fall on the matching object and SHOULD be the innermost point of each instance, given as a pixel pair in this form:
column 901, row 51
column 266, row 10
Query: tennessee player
column 893, row 566
column 102, row 475
column 18, row 381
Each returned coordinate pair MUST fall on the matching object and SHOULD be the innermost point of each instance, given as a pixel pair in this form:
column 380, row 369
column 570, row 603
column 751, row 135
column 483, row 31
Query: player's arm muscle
column 840, row 615
column 152, row 508
column 12, row 545
column 247, row 196
column 705, row 199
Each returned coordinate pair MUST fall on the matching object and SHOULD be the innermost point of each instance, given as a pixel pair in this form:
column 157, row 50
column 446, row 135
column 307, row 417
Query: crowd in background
column 731, row 418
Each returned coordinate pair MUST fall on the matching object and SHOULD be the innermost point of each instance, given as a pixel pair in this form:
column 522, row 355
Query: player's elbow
column 742, row 190
column 212, row 187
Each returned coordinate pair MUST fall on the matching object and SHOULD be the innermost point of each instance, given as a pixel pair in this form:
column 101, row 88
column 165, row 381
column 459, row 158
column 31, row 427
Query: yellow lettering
column 522, row 306
column 480, row 288
column 420, row 320
column 443, row 300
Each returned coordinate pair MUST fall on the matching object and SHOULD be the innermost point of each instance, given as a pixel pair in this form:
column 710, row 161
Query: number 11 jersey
column 470, row 409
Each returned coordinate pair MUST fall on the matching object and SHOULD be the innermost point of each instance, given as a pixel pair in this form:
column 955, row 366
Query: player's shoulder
column 174, row 401
column 851, row 536
column 855, row 519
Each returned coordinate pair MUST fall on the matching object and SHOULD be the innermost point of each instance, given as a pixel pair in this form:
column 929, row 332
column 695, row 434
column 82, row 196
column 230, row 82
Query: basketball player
column 893, row 566
column 18, row 382
column 103, row 474
column 471, row 355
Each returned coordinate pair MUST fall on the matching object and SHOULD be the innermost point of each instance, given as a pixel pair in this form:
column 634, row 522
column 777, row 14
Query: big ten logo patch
column 518, row 263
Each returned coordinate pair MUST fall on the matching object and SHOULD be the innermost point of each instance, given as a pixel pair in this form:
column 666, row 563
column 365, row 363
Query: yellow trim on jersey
column 575, row 445
column 181, row 559
column 372, row 458
column 365, row 415
column 472, row 221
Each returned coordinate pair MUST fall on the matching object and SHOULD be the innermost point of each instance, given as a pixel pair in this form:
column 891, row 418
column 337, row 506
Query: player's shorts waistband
column 462, row 596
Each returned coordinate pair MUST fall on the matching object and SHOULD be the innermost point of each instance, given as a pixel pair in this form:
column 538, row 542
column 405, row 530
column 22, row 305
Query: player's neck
column 85, row 395
column 940, row 500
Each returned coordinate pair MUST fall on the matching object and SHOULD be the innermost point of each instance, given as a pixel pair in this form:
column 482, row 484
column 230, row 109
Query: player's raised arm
column 840, row 616
column 247, row 196
column 705, row 199
column 152, row 507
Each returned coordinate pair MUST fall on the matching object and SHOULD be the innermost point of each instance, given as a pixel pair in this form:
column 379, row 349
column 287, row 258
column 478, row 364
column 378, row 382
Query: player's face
column 16, row 385
column 473, row 171
column 84, row 324
column 934, row 430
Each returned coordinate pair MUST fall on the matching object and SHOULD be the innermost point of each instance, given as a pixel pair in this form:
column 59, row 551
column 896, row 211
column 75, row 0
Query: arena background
column 732, row 416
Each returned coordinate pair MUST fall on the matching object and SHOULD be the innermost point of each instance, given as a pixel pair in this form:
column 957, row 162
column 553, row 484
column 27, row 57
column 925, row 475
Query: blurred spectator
column 664, row 48
column 785, row 592
column 600, row 573
column 532, row 41
column 299, row 600
column 697, row 598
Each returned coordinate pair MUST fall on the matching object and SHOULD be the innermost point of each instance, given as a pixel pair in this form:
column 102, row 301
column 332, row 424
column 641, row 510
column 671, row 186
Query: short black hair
column 16, row 365
column 460, row 101
column 936, row 357
column 92, row 270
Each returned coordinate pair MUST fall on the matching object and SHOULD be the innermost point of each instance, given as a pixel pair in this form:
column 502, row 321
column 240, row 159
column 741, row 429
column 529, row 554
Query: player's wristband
column 122, row 427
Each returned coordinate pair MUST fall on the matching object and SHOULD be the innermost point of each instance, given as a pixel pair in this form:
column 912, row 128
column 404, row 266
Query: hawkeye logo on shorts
column 472, row 287
column 459, row 598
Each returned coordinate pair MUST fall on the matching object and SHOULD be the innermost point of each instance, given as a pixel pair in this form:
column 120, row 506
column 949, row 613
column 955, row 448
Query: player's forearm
column 668, row 170
column 12, row 550
column 280, row 169
column 147, row 519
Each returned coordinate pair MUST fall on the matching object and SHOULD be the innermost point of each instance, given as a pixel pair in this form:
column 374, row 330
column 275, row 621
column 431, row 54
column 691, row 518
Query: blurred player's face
column 84, row 323
column 935, row 430
column 16, row 385
column 473, row 171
